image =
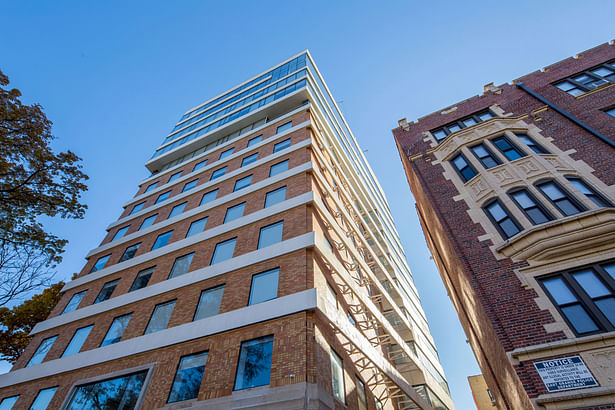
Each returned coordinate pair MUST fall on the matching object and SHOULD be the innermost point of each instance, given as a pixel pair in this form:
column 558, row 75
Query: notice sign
column 565, row 374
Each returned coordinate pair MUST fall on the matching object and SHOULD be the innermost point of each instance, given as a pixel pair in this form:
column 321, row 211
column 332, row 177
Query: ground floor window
column 121, row 393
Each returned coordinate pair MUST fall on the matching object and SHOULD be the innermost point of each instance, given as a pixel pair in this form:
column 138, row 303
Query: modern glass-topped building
column 257, row 267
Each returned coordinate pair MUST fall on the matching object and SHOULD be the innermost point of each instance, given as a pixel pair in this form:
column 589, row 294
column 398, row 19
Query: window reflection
column 188, row 377
column 254, row 368
column 120, row 393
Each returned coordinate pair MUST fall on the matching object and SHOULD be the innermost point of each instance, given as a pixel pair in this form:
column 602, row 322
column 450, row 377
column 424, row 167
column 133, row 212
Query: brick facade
column 493, row 299
column 303, row 337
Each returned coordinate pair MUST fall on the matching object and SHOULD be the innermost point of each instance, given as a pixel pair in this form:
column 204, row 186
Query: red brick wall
column 505, row 309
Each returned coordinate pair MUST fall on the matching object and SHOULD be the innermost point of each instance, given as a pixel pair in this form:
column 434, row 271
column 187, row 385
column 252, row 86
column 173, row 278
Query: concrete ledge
column 216, row 202
column 576, row 399
column 183, row 243
column 206, row 186
column 565, row 346
column 223, row 322
column 285, row 247
column 218, row 163
column 298, row 396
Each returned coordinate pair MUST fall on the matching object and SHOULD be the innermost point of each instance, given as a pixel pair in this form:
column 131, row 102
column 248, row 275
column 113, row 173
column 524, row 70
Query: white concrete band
column 207, row 234
column 219, row 163
column 207, row 186
column 199, row 275
column 223, row 322
column 205, row 207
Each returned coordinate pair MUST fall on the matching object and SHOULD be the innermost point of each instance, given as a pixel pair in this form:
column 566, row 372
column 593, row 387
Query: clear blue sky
column 115, row 76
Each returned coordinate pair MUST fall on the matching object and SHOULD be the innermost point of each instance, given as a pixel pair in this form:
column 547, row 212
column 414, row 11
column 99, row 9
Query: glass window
column 197, row 226
column 147, row 222
column 264, row 286
column 162, row 240
column 209, row 196
column 254, row 367
column 500, row 216
column 160, row 317
column 454, row 128
column 570, row 306
column 458, row 125
column 181, row 265
column 226, row 153
column 209, row 303
column 270, row 234
column 177, row 209
column 536, row 213
column 190, row 185
column 42, row 351
column 255, row 140
column 278, row 168
column 218, row 173
column 77, row 341
column 74, row 302
column 337, row 377
column 464, row 169
column 559, row 198
column 610, row 111
column 116, row 330
column 485, row 156
column 8, row 402
column 109, row 394
column 151, row 186
column 275, row 197
column 281, row 145
column 242, row 183
column 188, row 377
column 589, row 192
column 120, row 233
column 175, row 176
column 284, row 127
column 249, row 159
column 588, row 80
column 142, row 279
column 43, row 398
column 199, row 165
column 163, row 197
column 532, row 144
column 100, row 263
column 469, row 122
column 439, row 134
column 507, row 148
column 137, row 208
column 130, row 252
column 106, row 291
column 234, row 212
column 362, row 398
column 223, row 251
column 599, row 293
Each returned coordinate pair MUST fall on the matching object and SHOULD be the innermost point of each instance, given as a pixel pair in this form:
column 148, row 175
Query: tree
column 34, row 182
column 17, row 322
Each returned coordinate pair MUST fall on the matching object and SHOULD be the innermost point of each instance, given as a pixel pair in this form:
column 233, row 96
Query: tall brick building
column 257, row 267
column 515, row 190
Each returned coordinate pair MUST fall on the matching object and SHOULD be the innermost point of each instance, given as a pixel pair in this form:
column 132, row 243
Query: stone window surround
column 555, row 166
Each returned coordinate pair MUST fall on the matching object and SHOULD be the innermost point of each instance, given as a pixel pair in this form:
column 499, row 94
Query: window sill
column 587, row 232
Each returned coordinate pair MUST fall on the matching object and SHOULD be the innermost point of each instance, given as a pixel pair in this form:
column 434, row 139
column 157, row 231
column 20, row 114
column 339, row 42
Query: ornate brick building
column 257, row 267
column 515, row 192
